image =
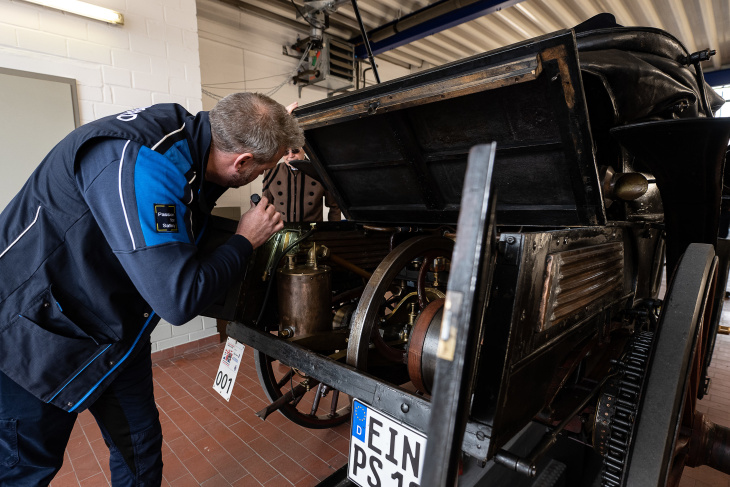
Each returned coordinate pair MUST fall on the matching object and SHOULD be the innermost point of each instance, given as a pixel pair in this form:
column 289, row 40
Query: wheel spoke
column 275, row 388
column 333, row 407
column 285, row 379
column 373, row 298
column 317, row 397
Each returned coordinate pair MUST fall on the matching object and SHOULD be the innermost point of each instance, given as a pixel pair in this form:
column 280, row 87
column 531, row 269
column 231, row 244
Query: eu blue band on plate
column 359, row 418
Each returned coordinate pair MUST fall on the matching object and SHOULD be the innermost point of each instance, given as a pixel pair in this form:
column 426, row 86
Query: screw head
column 405, row 407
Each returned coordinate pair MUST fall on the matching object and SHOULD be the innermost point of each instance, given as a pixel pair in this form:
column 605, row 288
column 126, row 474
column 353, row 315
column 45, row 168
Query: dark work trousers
column 33, row 434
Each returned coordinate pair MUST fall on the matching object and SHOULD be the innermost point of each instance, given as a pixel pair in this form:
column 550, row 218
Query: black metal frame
column 466, row 299
column 393, row 401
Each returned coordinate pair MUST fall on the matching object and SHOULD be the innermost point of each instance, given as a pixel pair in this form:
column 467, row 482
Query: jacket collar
column 200, row 133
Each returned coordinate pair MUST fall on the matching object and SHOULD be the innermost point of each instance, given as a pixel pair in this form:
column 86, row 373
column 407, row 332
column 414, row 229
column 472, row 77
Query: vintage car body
column 546, row 181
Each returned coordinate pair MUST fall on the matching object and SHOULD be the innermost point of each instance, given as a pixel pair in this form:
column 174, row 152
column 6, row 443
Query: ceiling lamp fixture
column 84, row 9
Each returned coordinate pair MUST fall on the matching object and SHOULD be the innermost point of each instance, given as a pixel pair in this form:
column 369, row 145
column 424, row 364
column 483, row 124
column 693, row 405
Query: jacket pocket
column 41, row 349
column 62, row 315
column 82, row 321
column 8, row 443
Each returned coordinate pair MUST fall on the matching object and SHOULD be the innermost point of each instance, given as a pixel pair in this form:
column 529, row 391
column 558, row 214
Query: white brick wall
column 152, row 58
column 115, row 76
column 167, row 336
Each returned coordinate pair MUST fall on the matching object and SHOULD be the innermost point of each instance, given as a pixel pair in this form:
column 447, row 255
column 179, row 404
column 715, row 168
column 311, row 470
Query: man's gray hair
column 254, row 123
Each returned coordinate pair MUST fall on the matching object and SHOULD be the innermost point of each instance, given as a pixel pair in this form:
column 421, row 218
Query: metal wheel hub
column 422, row 345
column 366, row 315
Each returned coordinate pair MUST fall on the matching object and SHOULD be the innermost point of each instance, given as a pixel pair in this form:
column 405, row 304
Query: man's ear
column 243, row 161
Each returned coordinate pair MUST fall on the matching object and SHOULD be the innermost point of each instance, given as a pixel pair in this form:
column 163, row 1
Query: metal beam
column 426, row 21
column 343, row 28
column 265, row 14
column 404, row 406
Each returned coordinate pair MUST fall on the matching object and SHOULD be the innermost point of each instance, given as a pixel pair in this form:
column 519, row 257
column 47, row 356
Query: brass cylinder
column 305, row 295
column 630, row 186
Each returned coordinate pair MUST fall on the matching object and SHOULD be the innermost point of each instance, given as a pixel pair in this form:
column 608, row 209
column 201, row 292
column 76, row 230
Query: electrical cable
column 210, row 85
column 212, row 95
column 294, row 72
column 271, row 90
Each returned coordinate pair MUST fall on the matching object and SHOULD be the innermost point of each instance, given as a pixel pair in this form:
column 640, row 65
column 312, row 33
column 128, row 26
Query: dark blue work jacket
column 99, row 243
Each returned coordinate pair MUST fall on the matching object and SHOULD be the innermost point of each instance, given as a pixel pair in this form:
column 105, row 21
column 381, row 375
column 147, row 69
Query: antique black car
column 508, row 220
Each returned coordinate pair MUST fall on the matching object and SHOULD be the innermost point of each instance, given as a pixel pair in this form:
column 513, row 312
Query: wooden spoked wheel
column 310, row 404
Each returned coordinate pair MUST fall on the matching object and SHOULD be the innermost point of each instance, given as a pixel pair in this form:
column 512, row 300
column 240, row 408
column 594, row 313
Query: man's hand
column 290, row 107
column 260, row 222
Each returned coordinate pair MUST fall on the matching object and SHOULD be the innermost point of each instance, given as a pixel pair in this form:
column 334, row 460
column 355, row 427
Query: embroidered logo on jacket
column 166, row 218
column 130, row 115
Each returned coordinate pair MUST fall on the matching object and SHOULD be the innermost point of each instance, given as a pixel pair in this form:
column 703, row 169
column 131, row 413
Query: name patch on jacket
column 166, row 218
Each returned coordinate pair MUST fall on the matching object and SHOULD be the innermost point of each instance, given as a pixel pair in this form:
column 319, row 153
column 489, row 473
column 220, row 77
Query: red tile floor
column 209, row 442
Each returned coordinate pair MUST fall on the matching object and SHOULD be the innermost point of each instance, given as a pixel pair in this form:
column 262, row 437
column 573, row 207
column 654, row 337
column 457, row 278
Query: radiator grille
column 578, row 280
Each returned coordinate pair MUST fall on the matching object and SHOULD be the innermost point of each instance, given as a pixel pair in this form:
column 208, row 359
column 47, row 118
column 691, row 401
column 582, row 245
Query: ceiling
column 434, row 32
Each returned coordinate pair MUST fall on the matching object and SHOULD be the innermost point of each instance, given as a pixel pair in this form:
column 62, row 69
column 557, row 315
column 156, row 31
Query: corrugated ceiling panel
column 698, row 24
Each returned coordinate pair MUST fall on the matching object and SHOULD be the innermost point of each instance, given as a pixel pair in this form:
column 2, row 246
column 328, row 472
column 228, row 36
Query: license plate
column 383, row 451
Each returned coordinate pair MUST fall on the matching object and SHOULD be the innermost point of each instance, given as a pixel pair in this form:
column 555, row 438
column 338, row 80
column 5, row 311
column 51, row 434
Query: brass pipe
column 373, row 228
column 350, row 266
column 421, row 282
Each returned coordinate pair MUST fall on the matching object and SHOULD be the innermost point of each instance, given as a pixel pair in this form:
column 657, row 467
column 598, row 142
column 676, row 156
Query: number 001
column 222, row 381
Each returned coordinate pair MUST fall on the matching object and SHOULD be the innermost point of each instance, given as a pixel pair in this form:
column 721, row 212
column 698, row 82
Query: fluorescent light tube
column 84, row 9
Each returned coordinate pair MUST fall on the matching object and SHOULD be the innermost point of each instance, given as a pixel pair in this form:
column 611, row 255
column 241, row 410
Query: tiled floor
column 210, row 442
